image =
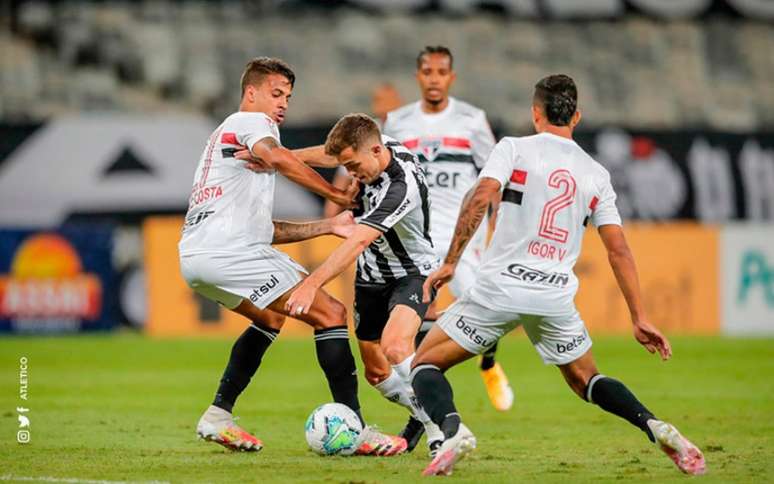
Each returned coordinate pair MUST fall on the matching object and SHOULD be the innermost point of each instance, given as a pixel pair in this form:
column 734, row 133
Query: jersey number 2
column 548, row 229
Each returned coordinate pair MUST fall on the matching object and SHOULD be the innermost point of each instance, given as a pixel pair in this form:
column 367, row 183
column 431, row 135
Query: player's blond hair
column 260, row 67
column 351, row 131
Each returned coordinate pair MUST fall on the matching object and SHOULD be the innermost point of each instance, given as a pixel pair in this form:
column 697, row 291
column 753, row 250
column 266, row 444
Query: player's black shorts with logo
column 373, row 303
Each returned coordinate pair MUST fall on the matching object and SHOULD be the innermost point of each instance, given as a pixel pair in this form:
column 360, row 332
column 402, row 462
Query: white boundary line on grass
column 71, row 480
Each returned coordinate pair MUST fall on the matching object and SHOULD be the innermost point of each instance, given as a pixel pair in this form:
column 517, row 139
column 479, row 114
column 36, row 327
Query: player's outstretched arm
column 472, row 212
column 284, row 161
column 341, row 225
column 315, row 156
column 341, row 258
column 622, row 262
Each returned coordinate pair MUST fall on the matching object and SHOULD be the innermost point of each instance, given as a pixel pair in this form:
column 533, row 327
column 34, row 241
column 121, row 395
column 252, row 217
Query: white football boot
column 217, row 425
column 451, row 451
column 685, row 455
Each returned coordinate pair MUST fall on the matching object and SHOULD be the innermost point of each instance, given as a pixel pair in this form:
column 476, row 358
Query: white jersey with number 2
column 551, row 189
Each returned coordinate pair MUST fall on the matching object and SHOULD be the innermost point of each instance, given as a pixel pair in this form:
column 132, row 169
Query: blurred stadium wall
column 104, row 108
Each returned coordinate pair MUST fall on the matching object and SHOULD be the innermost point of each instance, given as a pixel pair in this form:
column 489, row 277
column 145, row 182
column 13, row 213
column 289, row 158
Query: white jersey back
column 551, row 189
column 452, row 147
column 230, row 206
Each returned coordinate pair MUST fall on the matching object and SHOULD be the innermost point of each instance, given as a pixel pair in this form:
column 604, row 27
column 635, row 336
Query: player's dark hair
column 434, row 49
column 350, row 131
column 558, row 97
column 260, row 67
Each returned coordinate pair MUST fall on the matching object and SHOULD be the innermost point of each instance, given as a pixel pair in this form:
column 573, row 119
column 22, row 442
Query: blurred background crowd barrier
column 105, row 108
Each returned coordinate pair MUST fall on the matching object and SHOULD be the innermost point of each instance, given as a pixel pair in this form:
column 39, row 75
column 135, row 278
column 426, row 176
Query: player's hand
column 351, row 193
column 437, row 280
column 343, row 224
column 253, row 163
column 652, row 339
column 301, row 299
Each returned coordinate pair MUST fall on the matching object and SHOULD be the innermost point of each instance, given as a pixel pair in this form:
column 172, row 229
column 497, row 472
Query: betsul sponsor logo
column 264, row 288
column 47, row 280
column 573, row 344
column 472, row 333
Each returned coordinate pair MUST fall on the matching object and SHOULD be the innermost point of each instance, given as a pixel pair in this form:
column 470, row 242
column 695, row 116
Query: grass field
column 123, row 408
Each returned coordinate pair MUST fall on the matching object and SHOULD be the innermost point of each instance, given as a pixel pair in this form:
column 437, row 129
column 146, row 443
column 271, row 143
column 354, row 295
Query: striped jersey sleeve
column 396, row 202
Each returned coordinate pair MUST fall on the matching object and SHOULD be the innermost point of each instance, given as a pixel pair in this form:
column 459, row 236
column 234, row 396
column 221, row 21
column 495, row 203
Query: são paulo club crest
column 430, row 147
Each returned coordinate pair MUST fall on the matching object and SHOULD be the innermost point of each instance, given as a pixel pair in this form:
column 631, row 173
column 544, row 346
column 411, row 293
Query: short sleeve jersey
column 551, row 189
column 230, row 207
column 452, row 147
column 396, row 204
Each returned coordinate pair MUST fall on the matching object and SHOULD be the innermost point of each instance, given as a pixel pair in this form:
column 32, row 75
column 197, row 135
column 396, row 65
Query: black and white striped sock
column 335, row 358
column 246, row 355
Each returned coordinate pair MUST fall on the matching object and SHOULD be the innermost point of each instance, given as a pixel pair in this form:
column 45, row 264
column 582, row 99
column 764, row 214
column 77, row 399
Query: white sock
column 404, row 367
column 217, row 414
column 393, row 389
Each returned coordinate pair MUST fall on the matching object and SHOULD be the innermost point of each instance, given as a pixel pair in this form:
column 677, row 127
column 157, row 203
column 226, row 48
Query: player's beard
column 434, row 102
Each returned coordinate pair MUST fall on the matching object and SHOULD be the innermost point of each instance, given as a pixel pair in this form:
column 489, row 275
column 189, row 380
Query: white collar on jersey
column 435, row 117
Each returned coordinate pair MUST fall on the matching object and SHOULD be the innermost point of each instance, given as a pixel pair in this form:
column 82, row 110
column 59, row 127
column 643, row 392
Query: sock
column 397, row 388
column 393, row 389
column 488, row 359
column 436, row 397
column 613, row 396
column 403, row 369
column 335, row 358
column 424, row 328
column 246, row 355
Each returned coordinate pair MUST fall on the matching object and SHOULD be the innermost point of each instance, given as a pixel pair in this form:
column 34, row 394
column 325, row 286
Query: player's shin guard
column 613, row 396
column 488, row 358
column 435, row 395
column 335, row 358
column 246, row 355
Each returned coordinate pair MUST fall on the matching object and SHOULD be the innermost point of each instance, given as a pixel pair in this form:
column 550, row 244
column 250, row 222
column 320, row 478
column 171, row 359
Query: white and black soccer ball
column 333, row 429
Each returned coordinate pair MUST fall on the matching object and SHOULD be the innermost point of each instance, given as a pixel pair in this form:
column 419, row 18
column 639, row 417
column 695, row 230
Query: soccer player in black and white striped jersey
column 452, row 140
column 394, row 252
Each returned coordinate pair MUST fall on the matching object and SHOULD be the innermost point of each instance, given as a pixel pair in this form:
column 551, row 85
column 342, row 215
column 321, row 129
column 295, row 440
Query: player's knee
column 395, row 351
column 272, row 320
column 332, row 314
column 337, row 313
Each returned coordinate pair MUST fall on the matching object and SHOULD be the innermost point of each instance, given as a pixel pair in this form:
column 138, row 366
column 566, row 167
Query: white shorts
column 558, row 340
column 260, row 275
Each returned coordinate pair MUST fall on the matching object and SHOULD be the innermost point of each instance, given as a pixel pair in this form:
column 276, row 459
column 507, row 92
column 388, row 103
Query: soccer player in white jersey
column 394, row 252
column 226, row 253
column 550, row 189
column 452, row 140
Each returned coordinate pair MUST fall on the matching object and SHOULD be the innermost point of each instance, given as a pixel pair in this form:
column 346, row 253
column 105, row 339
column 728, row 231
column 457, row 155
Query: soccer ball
column 333, row 429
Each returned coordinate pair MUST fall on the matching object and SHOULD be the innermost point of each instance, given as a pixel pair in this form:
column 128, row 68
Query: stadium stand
column 713, row 72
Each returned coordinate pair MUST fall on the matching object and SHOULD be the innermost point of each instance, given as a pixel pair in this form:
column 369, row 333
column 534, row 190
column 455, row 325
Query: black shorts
column 374, row 302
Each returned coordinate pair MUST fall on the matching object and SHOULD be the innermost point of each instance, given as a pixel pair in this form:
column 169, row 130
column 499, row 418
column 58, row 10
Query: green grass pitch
column 124, row 408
